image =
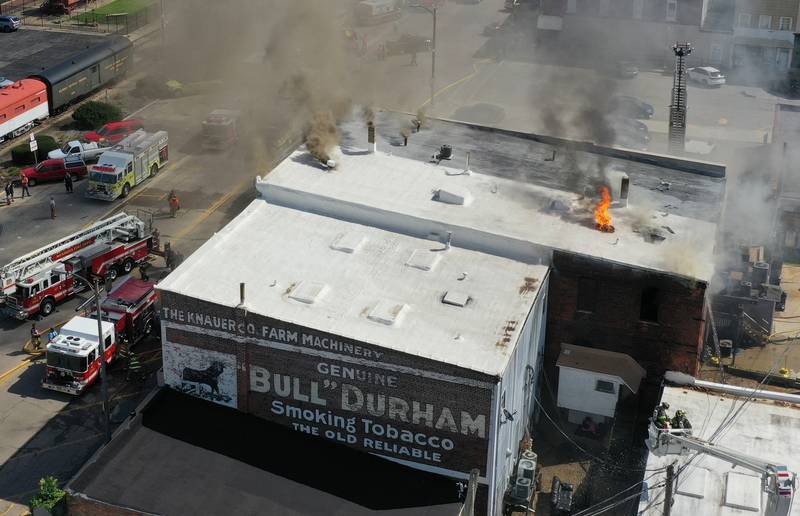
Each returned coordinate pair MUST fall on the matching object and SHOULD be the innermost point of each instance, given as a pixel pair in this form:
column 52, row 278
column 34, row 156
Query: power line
column 587, row 511
column 581, row 448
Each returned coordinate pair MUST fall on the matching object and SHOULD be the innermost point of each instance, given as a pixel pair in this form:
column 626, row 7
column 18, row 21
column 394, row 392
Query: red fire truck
column 73, row 360
column 34, row 283
column 131, row 308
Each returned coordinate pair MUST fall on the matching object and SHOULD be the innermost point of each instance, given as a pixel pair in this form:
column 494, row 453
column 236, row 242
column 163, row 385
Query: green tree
column 49, row 496
column 93, row 115
column 21, row 154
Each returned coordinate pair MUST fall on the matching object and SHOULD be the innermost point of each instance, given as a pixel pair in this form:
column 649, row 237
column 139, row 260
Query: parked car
column 4, row 83
column 628, row 124
column 114, row 132
column 10, row 23
column 86, row 150
column 55, row 170
column 706, row 75
column 627, row 69
column 630, row 106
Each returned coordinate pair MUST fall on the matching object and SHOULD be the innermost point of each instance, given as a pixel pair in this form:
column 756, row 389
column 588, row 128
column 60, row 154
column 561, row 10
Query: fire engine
column 35, row 282
column 73, row 357
column 131, row 308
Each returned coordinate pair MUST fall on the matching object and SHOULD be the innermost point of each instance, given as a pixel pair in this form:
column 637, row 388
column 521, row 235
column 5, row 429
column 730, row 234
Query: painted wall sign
column 372, row 398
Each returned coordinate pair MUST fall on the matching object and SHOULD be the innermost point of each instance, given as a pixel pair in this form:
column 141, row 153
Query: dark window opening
column 587, row 295
column 604, row 386
column 649, row 306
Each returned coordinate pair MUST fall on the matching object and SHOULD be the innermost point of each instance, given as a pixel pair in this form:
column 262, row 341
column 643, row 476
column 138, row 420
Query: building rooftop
column 516, row 203
column 403, row 293
column 600, row 361
column 711, row 486
column 169, row 460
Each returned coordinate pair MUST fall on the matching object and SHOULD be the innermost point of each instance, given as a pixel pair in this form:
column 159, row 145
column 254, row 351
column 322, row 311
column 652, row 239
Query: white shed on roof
column 590, row 381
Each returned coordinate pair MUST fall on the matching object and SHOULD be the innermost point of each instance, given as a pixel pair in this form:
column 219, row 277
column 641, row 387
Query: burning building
column 407, row 306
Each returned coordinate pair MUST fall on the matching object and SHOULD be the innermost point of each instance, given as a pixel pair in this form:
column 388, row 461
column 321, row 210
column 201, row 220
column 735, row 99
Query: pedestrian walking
column 68, row 182
column 51, row 334
column 52, row 207
column 35, row 338
column 413, row 59
column 9, row 196
column 174, row 203
column 23, row 180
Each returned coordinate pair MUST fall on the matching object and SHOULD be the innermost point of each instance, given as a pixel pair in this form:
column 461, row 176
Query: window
column 765, row 22
column 55, row 278
column 92, row 356
column 744, row 20
column 129, row 167
column 108, row 342
column 571, row 6
column 45, row 284
column 20, row 109
column 785, row 23
column 604, row 386
column 587, row 295
column 672, row 10
column 638, row 9
column 648, row 310
column 716, row 54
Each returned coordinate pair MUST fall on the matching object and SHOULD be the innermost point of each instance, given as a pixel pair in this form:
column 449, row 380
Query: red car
column 114, row 132
column 55, row 170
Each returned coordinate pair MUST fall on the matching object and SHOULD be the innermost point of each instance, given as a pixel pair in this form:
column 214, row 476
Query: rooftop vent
column 453, row 195
column 308, row 292
column 423, row 259
column 348, row 242
column 455, row 298
column 620, row 185
column 387, row 312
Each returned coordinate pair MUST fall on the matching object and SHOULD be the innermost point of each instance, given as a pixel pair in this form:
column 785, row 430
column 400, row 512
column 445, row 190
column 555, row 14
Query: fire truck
column 131, row 308
column 34, row 283
column 219, row 129
column 73, row 357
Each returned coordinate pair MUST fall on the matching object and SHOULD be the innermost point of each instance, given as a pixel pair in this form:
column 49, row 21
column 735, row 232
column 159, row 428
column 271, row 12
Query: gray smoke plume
column 323, row 136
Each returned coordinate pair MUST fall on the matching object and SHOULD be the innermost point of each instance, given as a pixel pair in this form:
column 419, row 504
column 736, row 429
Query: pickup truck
column 55, row 170
column 87, row 151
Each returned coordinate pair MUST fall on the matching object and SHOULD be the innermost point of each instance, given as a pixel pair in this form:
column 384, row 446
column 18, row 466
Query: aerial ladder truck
column 36, row 282
column 777, row 482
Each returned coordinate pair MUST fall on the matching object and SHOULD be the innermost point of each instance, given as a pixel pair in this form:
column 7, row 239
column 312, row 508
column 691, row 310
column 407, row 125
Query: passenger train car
column 51, row 91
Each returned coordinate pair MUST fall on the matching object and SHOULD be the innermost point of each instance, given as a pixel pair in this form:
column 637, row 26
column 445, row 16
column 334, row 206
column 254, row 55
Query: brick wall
column 673, row 343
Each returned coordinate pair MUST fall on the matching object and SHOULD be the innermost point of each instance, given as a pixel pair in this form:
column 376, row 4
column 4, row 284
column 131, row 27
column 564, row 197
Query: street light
column 95, row 287
column 432, row 11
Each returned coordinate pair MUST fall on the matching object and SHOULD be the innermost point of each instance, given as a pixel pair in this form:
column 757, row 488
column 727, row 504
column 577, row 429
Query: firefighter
column 680, row 421
column 35, row 338
column 174, row 203
column 51, row 334
column 660, row 415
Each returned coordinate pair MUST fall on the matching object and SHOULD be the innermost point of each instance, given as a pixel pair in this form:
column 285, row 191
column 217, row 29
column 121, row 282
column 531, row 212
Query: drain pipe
column 690, row 381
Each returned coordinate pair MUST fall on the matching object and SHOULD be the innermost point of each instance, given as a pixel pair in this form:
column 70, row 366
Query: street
column 50, row 433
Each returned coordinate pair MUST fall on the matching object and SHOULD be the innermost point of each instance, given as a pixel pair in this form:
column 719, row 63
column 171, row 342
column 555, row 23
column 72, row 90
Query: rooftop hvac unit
column 526, row 469
column 522, row 490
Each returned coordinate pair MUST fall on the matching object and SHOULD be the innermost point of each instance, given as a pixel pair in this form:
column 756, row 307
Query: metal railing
column 83, row 18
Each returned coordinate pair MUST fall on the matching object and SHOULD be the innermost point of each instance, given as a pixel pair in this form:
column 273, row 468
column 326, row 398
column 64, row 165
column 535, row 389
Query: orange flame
column 602, row 217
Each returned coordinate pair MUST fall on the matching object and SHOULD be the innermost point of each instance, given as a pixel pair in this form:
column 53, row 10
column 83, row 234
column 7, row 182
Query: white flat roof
column 367, row 284
column 506, row 214
column 711, row 486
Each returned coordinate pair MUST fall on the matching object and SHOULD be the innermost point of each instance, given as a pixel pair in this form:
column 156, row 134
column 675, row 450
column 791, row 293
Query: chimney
column 449, row 240
column 466, row 167
column 241, row 299
column 371, row 135
column 620, row 186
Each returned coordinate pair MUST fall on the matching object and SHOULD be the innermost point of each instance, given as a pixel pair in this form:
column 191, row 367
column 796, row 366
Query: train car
column 86, row 72
column 22, row 105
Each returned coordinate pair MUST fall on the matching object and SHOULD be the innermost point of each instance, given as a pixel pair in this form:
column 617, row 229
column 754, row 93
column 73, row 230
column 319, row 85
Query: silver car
column 10, row 23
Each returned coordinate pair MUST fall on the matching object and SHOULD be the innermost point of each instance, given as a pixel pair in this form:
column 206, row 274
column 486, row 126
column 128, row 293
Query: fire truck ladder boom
column 120, row 224
column 777, row 481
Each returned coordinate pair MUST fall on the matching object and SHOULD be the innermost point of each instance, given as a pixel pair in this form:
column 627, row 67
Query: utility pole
column 102, row 343
column 668, row 489
column 433, row 59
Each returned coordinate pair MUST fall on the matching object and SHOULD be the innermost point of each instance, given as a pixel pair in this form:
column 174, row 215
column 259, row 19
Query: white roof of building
column 379, row 287
column 711, row 486
column 611, row 363
column 509, row 218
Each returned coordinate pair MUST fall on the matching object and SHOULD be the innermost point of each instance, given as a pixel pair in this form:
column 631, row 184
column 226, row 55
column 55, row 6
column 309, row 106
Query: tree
column 49, row 496
column 21, row 154
column 93, row 115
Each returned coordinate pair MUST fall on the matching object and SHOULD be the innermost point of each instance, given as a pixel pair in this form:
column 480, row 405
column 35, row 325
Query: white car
column 706, row 75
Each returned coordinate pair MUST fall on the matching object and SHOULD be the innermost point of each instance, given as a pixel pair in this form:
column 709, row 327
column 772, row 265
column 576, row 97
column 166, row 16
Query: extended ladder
column 31, row 263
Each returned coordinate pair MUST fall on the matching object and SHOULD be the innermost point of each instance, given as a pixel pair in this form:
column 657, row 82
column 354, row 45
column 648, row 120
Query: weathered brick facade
column 78, row 505
column 614, row 324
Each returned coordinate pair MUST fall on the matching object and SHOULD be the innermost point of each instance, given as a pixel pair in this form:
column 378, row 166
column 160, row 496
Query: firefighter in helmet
column 660, row 416
column 680, row 420
column 174, row 203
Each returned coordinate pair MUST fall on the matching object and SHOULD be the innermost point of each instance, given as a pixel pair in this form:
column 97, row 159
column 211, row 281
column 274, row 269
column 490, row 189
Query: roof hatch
column 423, row 259
column 742, row 491
column 453, row 195
column 387, row 312
column 308, row 292
column 455, row 298
column 348, row 242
